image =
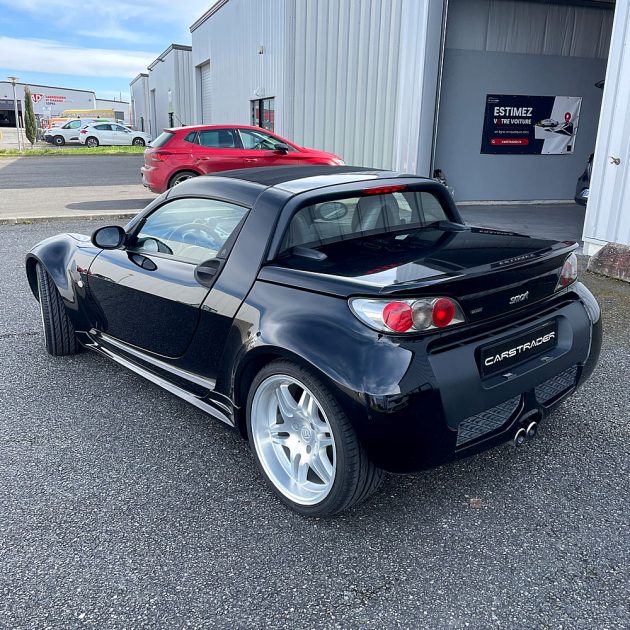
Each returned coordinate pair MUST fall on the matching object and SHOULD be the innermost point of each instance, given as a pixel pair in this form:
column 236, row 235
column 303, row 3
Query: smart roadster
column 344, row 320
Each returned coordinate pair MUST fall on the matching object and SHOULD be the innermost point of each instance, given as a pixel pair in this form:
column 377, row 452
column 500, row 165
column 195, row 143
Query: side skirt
column 92, row 344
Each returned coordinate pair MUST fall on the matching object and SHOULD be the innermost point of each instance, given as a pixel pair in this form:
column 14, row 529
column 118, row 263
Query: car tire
column 59, row 334
column 91, row 142
column 59, row 141
column 180, row 177
column 138, row 142
column 317, row 465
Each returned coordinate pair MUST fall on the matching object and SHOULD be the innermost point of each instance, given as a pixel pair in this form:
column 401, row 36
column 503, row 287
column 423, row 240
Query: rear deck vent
column 487, row 421
column 557, row 386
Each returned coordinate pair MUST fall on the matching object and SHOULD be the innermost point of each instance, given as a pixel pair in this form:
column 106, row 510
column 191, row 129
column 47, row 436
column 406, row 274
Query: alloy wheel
column 293, row 439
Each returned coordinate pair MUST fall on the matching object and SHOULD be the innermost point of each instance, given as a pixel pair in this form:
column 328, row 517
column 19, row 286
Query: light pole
column 14, row 80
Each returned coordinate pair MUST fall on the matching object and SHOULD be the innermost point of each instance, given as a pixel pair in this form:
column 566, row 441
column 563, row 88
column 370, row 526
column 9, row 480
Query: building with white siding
column 139, row 91
column 404, row 84
column 120, row 108
column 169, row 88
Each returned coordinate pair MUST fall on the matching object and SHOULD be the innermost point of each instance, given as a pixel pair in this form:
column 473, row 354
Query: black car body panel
column 415, row 401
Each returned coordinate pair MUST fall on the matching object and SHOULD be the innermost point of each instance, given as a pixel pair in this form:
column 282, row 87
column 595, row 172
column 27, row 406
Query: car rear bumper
column 152, row 180
column 446, row 410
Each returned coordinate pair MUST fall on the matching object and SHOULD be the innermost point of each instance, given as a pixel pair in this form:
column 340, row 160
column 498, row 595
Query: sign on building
column 539, row 125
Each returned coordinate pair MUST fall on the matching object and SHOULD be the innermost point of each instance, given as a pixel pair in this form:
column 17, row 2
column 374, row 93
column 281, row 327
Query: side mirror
column 110, row 237
column 330, row 211
column 281, row 148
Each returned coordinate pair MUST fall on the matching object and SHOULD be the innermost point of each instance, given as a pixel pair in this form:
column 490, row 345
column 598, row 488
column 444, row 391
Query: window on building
column 263, row 113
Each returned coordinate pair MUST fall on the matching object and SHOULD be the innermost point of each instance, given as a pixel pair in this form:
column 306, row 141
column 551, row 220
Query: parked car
column 583, row 186
column 112, row 134
column 345, row 320
column 181, row 153
column 69, row 132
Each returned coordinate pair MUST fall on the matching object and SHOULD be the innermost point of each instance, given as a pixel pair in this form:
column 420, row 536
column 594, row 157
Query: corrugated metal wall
column 357, row 72
column 608, row 209
column 230, row 40
column 183, row 103
column 139, row 90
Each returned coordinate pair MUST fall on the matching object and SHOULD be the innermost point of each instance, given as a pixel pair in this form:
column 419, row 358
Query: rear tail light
column 159, row 156
column 568, row 273
column 408, row 316
column 83, row 131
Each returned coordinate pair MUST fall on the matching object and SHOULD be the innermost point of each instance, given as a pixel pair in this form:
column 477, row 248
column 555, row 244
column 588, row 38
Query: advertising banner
column 532, row 125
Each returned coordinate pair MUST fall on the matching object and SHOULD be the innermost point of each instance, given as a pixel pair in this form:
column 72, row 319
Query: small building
column 139, row 90
column 48, row 101
column 170, row 89
column 119, row 107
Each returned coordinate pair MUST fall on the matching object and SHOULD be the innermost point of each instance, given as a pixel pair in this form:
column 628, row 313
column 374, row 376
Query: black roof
column 274, row 175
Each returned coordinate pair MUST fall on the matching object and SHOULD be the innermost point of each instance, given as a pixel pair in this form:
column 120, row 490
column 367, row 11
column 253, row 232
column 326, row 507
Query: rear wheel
column 59, row 332
column 304, row 444
column 59, row 141
column 180, row 177
column 92, row 142
column 138, row 142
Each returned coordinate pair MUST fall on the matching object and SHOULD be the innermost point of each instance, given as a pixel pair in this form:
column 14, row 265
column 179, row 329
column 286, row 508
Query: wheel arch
column 255, row 360
column 189, row 169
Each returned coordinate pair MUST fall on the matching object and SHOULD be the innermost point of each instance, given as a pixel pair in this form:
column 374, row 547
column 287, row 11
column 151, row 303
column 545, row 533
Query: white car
column 70, row 131
column 112, row 134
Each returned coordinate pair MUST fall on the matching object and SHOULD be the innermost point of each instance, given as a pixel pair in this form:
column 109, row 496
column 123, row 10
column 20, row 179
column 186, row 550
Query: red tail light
column 408, row 316
column 83, row 131
column 159, row 156
column 443, row 312
column 398, row 316
column 383, row 190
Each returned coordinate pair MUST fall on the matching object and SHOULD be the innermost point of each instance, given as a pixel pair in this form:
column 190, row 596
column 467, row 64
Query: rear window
column 162, row 139
column 348, row 218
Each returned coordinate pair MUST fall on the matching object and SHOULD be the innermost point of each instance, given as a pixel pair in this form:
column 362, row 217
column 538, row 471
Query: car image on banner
column 533, row 125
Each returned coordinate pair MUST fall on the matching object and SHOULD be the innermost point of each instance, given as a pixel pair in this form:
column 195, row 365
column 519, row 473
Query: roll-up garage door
column 206, row 92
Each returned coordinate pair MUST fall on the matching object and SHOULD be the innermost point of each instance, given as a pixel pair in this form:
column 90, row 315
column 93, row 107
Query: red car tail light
column 407, row 316
column 83, row 131
column 568, row 273
column 159, row 156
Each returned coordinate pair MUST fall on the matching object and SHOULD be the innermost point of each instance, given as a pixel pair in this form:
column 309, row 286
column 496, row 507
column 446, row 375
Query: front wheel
column 59, row 334
column 138, row 142
column 92, row 142
column 59, row 141
column 304, row 444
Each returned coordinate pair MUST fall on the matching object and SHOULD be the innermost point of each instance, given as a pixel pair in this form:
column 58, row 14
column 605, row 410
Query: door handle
column 206, row 272
column 250, row 160
column 614, row 160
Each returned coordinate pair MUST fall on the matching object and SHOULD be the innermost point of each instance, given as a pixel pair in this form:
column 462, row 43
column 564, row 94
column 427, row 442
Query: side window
column 218, row 139
column 75, row 124
column 119, row 128
column 259, row 141
column 190, row 137
column 103, row 127
column 191, row 230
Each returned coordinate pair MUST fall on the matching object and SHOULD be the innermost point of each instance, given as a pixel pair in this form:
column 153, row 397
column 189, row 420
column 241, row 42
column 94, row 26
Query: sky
column 97, row 46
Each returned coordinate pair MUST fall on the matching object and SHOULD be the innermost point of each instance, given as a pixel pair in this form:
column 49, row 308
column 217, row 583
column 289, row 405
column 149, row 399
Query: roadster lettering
column 512, row 352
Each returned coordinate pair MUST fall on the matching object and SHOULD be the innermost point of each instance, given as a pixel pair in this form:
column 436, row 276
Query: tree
column 30, row 124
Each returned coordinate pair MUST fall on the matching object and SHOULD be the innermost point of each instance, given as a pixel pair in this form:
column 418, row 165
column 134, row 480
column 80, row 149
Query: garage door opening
column 519, row 107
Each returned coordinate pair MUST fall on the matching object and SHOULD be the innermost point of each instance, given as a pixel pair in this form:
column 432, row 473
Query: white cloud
column 36, row 55
column 119, row 19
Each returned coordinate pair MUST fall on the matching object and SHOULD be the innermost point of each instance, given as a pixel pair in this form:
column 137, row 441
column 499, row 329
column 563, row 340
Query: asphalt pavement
column 67, row 186
column 123, row 507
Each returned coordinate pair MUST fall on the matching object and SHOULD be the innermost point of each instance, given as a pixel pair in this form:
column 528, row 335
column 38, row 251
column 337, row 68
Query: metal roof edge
column 210, row 12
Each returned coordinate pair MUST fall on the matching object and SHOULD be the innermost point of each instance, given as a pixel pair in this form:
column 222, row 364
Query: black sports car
column 345, row 320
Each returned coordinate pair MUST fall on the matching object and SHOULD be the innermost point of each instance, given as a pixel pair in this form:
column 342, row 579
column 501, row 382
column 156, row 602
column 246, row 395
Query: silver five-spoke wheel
column 293, row 439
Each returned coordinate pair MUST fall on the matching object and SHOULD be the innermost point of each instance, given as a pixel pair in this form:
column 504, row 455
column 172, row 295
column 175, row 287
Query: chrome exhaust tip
column 532, row 430
column 520, row 436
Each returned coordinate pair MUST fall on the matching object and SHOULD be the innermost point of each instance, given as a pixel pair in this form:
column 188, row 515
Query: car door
column 217, row 149
column 120, row 135
column 149, row 294
column 104, row 133
column 73, row 128
column 259, row 149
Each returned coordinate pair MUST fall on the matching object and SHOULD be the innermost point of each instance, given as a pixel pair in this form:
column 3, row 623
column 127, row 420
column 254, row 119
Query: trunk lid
column 489, row 272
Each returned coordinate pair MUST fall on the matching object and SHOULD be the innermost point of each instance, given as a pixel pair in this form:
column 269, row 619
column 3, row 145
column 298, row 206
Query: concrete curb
column 102, row 216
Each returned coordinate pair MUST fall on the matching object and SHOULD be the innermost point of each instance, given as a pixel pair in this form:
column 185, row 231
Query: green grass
column 71, row 151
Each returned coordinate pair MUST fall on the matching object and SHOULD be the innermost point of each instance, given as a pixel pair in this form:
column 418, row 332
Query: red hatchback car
column 184, row 152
